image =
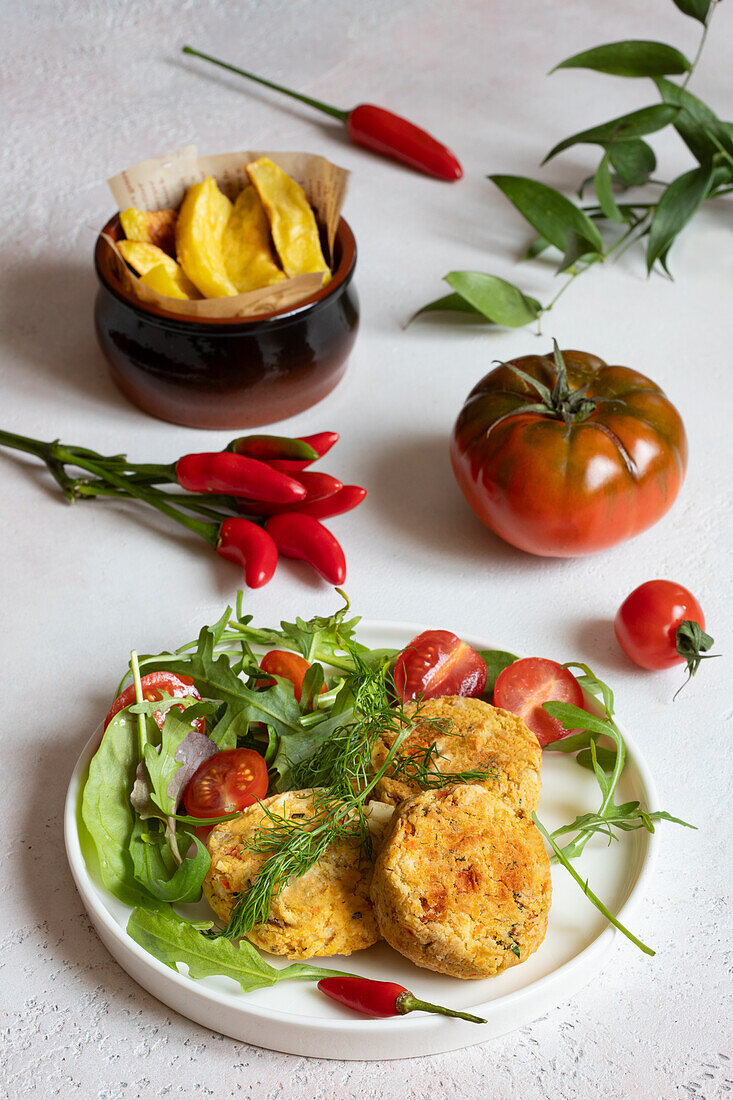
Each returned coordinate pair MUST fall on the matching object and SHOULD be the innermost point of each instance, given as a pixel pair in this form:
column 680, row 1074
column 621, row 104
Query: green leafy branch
column 592, row 233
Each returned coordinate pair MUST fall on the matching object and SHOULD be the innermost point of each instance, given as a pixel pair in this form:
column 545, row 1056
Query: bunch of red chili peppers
column 253, row 501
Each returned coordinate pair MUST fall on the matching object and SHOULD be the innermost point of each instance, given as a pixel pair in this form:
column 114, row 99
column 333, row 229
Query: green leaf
column 450, row 303
column 171, row 939
column 606, row 758
column 696, row 9
column 647, row 120
column 633, row 160
column 549, row 212
column 160, row 760
column 634, row 57
column 691, row 122
column 593, row 685
column 496, row 660
column 537, row 247
column 604, row 191
column 106, row 810
column 576, row 250
column 157, row 871
column 497, row 300
column 675, row 208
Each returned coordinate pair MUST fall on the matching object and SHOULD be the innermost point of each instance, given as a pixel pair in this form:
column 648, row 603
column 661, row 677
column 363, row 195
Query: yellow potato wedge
column 151, row 226
column 145, row 258
column 172, row 284
column 248, row 256
column 292, row 221
column 202, row 220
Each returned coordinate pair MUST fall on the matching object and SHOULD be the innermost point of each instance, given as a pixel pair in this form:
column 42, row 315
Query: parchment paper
column 162, row 182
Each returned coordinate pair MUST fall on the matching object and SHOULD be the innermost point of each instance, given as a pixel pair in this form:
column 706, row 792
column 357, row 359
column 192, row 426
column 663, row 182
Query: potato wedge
column 248, row 256
column 202, row 220
column 292, row 221
column 171, row 284
column 156, row 227
column 144, row 258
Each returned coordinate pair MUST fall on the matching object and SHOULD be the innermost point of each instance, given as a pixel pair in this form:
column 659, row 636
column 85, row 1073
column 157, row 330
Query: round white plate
column 294, row 1017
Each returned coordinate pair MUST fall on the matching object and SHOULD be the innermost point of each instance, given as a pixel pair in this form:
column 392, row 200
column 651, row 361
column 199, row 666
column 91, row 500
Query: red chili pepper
column 381, row 999
column 343, row 501
column 377, row 129
column 266, row 447
column 321, row 442
column 237, row 475
column 303, row 537
column 250, row 546
column 319, row 488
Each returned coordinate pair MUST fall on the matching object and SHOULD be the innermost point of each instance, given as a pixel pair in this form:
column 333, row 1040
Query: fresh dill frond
column 421, row 767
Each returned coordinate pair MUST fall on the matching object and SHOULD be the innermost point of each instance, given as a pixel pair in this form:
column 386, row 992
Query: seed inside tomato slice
column 437, row 663
column 524, row 686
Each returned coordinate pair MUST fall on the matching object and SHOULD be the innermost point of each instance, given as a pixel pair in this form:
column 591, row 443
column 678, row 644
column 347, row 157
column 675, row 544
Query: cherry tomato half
column 155, row 685
column 647, row 621
column 291, row 666
column 523, row 687
column 228, row 781
column 437, row 663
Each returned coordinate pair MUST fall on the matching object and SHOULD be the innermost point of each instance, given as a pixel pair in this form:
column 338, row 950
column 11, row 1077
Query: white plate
column 294, row 1017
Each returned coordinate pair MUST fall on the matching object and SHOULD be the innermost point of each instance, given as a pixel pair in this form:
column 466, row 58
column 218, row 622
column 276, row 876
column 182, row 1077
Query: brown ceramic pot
column 218, row 373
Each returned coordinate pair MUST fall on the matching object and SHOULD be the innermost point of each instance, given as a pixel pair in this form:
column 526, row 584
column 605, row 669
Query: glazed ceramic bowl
column 218, row 373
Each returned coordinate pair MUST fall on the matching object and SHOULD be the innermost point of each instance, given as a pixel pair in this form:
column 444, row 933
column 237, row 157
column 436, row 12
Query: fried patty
column 462, row 884
column 327, row 911
column 468, row 734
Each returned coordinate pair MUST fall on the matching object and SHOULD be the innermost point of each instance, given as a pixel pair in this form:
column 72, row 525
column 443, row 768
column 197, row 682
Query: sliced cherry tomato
column 291, row 666
column 648, row 620
column 228, row 781
column 523, row 687
column 155, row 685
column 437, row 663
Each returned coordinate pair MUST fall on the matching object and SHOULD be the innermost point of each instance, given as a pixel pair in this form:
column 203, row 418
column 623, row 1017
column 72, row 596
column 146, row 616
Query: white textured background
column 88, row 90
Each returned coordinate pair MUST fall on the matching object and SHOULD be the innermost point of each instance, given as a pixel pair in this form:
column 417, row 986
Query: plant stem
column 701, row 44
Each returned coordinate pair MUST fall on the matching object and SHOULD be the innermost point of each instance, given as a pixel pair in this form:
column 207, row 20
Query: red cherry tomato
column 155, row 685
column 437, row 663
column 523, row 687
column 647, row 621
column 228, row 781
column 291, row 666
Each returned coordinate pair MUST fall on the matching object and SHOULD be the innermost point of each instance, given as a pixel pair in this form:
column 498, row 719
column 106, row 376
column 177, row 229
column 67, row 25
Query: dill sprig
column 422, row 767
column 342, row 766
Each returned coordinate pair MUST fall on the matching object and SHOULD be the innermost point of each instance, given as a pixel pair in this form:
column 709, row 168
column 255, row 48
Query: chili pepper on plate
column 373, row 127
column 382, row 999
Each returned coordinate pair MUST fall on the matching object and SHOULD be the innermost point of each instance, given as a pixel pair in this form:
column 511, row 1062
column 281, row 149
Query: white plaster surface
column 90, row 88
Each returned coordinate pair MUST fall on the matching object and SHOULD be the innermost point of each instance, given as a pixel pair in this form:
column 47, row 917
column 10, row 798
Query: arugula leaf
column 496, row 660
column 106, row 810
column 172, row 940
column 549, row 212
column 164, row 762
column 647, row 120
column 157, row 871
column 675, row 208
column 634, row 57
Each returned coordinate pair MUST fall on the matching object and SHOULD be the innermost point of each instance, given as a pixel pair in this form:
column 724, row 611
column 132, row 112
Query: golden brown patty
column 327, row 911
column 474, row 733
column 462, row 884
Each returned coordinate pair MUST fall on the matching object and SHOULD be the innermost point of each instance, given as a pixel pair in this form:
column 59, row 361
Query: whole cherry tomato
column 661, row 624
column 155, row 685
column 568, row 457
column 291, row 666
column 228, row 781
column 523, row 687
column 437, row 663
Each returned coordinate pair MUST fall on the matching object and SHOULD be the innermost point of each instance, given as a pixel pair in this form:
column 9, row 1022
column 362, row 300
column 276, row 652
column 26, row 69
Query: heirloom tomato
column 566, row 455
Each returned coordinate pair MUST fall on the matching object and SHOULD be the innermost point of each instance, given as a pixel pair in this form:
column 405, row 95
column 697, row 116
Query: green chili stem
column 335, row 112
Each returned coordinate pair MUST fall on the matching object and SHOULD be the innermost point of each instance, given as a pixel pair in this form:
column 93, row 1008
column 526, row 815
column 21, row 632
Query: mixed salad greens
column 146, row 851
